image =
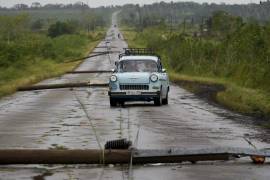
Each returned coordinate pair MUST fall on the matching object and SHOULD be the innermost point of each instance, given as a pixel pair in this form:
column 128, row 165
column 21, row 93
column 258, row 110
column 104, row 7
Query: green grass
column 30, row 72
column 130, row 36
column 235, row 97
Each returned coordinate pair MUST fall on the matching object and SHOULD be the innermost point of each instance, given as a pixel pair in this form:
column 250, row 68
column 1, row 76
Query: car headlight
column 113, row 78
column 154, row 78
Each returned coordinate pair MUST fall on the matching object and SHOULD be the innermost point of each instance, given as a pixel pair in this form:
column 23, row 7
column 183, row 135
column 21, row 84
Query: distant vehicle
column 139, row 76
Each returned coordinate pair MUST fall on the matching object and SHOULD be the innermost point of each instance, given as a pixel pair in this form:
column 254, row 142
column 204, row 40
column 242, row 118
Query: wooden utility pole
column 124, row 156
column 171, row 18
column 140, row 18
column 35, row 156
column 184, row 30
column 61, row 86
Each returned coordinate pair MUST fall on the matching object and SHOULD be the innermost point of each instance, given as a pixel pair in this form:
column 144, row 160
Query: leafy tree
column 61, row 28
column 222, row 23
column 37, row 25
column 12, row 27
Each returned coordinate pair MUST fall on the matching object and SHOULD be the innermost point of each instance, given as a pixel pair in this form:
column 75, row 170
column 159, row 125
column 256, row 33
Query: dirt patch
column 42, row 176
column 203, row 90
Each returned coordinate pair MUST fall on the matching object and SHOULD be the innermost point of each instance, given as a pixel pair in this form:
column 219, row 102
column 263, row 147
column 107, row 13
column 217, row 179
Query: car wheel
column 113, row 102
column 122, row 103
column 165, row 101
column 158, row 100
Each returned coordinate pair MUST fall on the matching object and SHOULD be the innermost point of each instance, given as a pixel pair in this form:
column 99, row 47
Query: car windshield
column 138, row 66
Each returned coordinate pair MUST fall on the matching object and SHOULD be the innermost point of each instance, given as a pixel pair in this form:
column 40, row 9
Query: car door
column 163, row 80
column 164, row 84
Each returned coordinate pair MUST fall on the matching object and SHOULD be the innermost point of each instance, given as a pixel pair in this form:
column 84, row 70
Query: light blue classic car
column 138, row 76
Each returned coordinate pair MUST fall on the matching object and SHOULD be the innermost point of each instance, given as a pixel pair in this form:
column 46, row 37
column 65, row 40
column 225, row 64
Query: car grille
column 134, row 87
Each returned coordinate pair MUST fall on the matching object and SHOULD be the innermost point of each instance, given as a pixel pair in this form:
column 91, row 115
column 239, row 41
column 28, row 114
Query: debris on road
column 87, row 57
column 61, row 86
column 105, row 47
column 124, row 156
column 94, row 52
column 118, row 144
column 90, row 71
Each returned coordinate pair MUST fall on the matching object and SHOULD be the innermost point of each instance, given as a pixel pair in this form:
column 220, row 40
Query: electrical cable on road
column 91, row 123
column 130, row 170
column 249, row 142
column 108, row 49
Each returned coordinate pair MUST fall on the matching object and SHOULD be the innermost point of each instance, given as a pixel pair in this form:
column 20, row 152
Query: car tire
column 113, row 102
column 158, row 100
column 122, row 103
column 165, row 101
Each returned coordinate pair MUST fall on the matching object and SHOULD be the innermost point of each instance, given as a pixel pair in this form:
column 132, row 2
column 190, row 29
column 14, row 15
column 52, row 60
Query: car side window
column 116, row 66
column 159, row 66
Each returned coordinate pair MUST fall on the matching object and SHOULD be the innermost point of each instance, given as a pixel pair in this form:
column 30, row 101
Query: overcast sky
column 95, row 3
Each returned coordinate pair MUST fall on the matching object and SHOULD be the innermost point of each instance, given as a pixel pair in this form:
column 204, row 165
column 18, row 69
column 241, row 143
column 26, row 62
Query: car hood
column 133, row 77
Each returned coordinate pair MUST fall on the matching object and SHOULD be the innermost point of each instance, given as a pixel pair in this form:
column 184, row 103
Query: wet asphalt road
column 54, row 118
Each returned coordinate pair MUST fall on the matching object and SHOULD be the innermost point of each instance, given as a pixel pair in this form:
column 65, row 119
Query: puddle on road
column 43, row 176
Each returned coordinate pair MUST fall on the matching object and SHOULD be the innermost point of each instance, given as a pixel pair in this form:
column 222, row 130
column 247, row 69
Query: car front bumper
column 143, row 96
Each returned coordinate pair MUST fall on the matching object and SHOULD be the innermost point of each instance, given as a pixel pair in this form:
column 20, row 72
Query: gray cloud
column 95, row 3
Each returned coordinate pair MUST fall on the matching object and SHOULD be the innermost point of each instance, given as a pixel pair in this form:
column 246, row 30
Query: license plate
column 133, row 93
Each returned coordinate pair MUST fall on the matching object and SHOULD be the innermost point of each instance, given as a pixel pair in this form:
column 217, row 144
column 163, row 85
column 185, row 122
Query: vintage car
column 138, row 76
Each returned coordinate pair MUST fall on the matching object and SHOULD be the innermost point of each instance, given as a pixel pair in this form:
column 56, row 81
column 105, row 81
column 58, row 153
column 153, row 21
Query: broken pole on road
column 61, row 86
column 94, row 52
column 109, row 47
column 51, row 156
column 90, row 71
column 124, row 156
column 31, row 156
column 87, row 57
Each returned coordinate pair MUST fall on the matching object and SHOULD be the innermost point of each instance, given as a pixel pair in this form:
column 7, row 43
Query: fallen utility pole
column 105, row 47
column 61, row 86
column 87, row 57
column 123, row 156
column 105, row 52
column 85, row 72
column 31, row 156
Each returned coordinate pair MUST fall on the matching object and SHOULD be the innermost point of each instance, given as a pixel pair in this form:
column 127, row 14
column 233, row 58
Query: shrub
column 61, row 28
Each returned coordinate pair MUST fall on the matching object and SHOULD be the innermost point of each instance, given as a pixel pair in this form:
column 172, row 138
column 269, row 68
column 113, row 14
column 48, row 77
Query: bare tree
column 20, row 6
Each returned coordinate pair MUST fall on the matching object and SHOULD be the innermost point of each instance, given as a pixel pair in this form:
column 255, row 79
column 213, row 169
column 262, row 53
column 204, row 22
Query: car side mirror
column 113, row 70
column 163, row 70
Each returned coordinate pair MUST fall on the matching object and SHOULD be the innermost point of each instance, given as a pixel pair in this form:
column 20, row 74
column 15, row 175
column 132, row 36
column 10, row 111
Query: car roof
column 153, row 58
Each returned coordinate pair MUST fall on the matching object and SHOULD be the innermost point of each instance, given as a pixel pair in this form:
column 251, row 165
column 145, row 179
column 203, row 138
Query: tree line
column 175, row 13
column 38, row 5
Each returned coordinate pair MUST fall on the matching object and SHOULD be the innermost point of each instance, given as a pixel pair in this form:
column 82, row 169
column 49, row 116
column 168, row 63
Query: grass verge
column 31, row 73
column 244, row 100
